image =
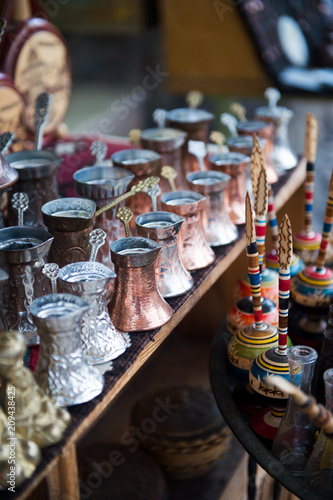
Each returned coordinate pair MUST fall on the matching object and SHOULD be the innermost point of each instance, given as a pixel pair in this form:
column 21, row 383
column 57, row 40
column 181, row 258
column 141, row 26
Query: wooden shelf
column 59, row 461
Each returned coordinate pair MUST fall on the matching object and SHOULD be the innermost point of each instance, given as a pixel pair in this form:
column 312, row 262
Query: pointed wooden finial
column 286, row 243
column 257, row 160
column 311, row 137
column 249, row 221
column 261, row 193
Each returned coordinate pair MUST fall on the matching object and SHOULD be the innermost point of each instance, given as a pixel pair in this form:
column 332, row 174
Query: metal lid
column 189, row 115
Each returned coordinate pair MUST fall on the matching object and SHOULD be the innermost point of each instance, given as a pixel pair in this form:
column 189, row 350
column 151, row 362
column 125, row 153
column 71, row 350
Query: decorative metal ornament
column 134, row 136
column 170, row 174
column 36, row 418
column 194, row 98
column 163, row 227
column 239, row 111
column 99, row 149
column 135, row 288
column 43, row 102
column 124, row 214
column 218, row 228
column 61, row 370
column 20, row 202
column 23, row 253
column 194, row 250
column 218, row 138
column 307, row 241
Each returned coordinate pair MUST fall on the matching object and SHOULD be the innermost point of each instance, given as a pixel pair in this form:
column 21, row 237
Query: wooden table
column 59, row 465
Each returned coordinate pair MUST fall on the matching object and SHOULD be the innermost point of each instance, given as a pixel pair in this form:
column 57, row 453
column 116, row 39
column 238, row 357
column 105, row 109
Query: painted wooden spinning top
column 258, row 337
column 269, row 278
column 274, row 361
column 312, row 289
column 272, row 261
column 307, row 241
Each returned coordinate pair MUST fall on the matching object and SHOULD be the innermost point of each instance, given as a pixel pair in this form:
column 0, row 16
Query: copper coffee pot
column 195, row 122
column 194, row 249
column 136, row 304
column 69, row 220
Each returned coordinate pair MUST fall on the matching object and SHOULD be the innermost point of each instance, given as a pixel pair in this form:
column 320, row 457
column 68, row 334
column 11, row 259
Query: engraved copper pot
column 195, row 122
column 62, row 371
column 23, row 253
column 136, row 304
column 172, row 277
column 194, row 249
column 236, row 165
column 264, row 131
column 282, row 157
column 218, row 228
column 69, row 220
column 142, row 163
column 103, row 184
column 168, row 143
column 37, row 177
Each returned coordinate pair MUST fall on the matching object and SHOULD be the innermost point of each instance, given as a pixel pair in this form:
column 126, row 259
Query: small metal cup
column 236, row 165
column 23, row 253
column 101, row 342
column 172, row 277
column 142, row 163
column 168, row 143
column 194, row 249
column 103, row 184
column 69, row 220
column 137, row 304
column 217, row 227
column 36, row 177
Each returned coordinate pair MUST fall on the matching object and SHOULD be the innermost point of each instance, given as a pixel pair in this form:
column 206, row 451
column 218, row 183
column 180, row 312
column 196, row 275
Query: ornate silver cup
column 101, row 341
column 103, row 184
column 62, row 370
column 23, row 253
column 172, row 277
column 217, row 227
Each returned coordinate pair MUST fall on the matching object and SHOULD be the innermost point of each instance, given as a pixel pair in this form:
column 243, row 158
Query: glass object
column 295, row 437
column 319, row 470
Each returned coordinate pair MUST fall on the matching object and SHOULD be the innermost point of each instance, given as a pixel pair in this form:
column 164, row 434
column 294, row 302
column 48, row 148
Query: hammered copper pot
column 168, row 143
column 136, row 304
column 69, row 220
column 265, row 131
column 194, row 249
column 236, row 165
column 195, row 122
column 142, row 163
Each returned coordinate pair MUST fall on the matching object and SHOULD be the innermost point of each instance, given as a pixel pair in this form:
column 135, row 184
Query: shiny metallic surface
column 70, row 221
column 100, row 340
column 265, row 131
column 23, row 253
column 237, row 166
column 102, row 185
column 36, row 177
column 195, row 122
column 168, row 143
column 163, row 227
column 218, row 228
column 194, row 250
column 62, row 371
column 137, row 304
column 142, row 163
column 282, row 157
